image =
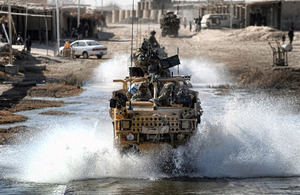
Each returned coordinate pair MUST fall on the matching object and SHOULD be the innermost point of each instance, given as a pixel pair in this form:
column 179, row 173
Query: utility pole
column 231, row 13
column 78, row 14
column 102, row 15
column 26, row 20
column 10, row 36
column 57, row 26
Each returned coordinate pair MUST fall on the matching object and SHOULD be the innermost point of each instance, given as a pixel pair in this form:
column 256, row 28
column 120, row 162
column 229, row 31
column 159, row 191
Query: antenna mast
column 130, row 108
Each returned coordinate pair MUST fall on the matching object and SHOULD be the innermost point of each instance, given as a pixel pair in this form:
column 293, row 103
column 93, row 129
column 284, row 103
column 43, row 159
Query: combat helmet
column 143, row 87
column 169, row 86
column 153, row 32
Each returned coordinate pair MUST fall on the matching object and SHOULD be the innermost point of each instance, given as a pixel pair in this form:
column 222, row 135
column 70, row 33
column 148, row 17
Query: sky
column 121, row 3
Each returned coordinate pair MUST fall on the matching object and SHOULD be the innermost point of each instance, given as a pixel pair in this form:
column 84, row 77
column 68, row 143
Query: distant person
column 28, row 44
column 190, row 26
column 291, row 33
column 152, row 40
column 20, row 39
column 184, row 22
column 283, row 38
column 86, row 29
column 73, row 32
column 67, row 50
column 67, row 45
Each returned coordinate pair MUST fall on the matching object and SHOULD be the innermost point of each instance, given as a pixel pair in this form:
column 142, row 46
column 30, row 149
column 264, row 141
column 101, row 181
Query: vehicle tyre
column 99, row 56
column 77, row 56
column 85, row 55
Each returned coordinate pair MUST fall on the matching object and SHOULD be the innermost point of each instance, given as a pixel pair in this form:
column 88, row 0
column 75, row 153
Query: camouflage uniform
column 141, row 60
column 143, row 94
column 152, row 40
column 165, row 99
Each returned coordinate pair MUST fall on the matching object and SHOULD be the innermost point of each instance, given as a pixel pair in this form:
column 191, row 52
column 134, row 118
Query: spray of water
column 115, row 68
column 203, row 71
column 255, row 137
column 252, row 137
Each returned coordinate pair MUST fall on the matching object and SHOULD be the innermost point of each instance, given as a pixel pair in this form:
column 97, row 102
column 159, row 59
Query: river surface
column 247, row 143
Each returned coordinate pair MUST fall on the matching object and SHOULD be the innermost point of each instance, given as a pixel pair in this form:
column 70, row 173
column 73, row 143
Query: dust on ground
column 245, row 53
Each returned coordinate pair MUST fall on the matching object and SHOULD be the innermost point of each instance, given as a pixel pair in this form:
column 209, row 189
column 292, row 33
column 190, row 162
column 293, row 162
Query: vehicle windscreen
column 91, row 43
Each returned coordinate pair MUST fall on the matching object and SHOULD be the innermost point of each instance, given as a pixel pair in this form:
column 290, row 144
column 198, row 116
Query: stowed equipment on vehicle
column 154, row 107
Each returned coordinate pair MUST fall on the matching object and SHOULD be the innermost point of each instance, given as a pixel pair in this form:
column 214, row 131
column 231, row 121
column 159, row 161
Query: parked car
column 86, row 48
column 219, row 20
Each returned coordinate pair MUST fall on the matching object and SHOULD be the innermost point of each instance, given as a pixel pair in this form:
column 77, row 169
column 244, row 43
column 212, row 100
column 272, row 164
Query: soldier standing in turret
column 152, row 40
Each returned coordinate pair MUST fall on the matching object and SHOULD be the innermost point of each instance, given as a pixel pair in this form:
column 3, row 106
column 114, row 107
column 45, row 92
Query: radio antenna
column 130, row 108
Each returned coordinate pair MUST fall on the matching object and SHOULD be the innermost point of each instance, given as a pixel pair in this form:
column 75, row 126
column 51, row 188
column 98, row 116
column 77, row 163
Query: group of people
column 257, row 18
column 27, row 43
column 164, row 99
column 168, row 94
column 147, row 56
column 81, row 31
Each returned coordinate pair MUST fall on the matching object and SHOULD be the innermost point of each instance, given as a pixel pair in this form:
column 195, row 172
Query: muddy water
column 246, row 143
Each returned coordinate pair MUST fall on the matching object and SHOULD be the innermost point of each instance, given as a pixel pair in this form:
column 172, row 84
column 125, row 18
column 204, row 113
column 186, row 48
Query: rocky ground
column 245, row 53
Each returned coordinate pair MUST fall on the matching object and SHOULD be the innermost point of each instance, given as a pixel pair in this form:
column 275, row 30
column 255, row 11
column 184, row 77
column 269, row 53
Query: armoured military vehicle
column 169, row 24
column 154, row 107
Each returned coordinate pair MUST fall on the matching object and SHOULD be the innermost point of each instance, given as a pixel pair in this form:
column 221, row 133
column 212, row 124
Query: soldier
column 291, row 33
column 152, row 40
column 143, row 94
column 141, row 60
column 165, row 99
column 28, row 44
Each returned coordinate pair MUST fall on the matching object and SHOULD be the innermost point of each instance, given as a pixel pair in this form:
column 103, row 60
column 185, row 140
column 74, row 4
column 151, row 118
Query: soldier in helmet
column 143, row 94
column 165, row 99
column 141, row 60
column 152, row 40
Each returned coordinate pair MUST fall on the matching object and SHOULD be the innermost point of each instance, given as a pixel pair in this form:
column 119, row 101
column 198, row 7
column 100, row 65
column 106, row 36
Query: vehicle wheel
column 85, row 55
column 99, row 56
column 77, row 56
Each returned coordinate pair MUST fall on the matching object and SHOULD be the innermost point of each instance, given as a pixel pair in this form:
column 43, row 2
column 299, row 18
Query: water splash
column 250, row 137
column 115, row 68
column 203, row 71
column 254, row 138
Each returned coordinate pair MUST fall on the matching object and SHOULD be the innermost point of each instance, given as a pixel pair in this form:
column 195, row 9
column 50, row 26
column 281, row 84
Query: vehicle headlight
column 130, row 137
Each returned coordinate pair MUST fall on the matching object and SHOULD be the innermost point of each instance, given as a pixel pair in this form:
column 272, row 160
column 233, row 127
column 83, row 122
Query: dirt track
column 245, row 53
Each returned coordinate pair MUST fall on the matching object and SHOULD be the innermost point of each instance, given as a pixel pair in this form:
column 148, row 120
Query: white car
column 86, row 48
column 219, row 20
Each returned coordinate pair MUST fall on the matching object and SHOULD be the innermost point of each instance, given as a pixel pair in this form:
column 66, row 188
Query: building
column 41, row 19
column 279, row 14
column 154, row 4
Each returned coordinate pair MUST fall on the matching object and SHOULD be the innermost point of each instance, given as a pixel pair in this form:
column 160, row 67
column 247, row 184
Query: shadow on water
column 32, row 75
